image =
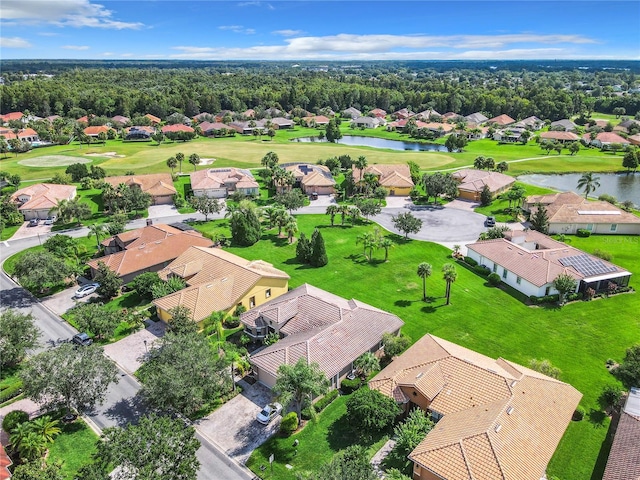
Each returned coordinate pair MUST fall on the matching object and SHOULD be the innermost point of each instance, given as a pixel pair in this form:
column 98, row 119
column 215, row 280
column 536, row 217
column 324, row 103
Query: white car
column 268, row 413
column 87, row 289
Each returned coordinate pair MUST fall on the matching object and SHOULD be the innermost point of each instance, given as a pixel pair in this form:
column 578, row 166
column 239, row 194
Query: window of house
column 614, row 227
column 589, row 226
column 252, row 302
column 504, row 273
column 547, row 290
column 495, row 268
column 518, row 280
column 267, row 293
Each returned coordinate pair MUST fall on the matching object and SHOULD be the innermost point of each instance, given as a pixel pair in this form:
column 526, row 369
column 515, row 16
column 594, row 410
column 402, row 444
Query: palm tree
column 588, row 183
column 180, row 159
column 281, row 220
column 97, row 230
column 45, row 427
column 361, row 163
column 385, row 243
column 291, row 227
column 271, row 214
column 32, row 446
column 449, row 275
column 172, row 163
column 344, row 211
column 366, row 363
column 194, row 159
column 333, row 210
column 368, row 241
column 424, row 271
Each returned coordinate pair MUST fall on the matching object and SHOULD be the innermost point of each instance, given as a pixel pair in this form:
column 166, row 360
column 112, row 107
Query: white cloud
column 237, row 29
column 14, row 42
column 388, row 47
column 107, row 54
column 48, row 34
column 75, row 47
column 287, row 33
column 72, row 13
column 256, row 4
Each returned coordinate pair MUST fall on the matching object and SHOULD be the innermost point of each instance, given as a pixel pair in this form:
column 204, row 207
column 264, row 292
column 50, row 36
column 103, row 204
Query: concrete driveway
column 398, row 202
column 25, row 231
column 64, row 300
column 234, row 428
column 131, row 351
column 158, row 211
column 323, row 201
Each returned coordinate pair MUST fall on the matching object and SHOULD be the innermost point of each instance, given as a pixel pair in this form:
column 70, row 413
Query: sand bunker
column 104, row 154
column 207, row 161
column 53, row 161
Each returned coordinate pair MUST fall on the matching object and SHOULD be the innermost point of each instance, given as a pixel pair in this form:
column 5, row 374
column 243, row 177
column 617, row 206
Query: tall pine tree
column 540, row 220
column 303, row 249
column 318, row 251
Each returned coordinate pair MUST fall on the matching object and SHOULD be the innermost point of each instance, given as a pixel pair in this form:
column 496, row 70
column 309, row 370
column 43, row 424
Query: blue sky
column 319, row 30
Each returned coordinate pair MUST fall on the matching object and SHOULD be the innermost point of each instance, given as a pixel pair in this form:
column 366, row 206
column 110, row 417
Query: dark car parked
column 82, row 339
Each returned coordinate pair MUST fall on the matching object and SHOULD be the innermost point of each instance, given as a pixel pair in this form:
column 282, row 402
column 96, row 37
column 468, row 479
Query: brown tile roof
column 319, row 119
column 624, row 457
column 96, row 130
column 120, row 119
column 378, row 112
column 564, row 136
column 389, row 176
column 217, row 280
column 542, row 265
column 209, row 126
column 503, row 119
column 11, row 116
column 25, row 132
column 219, row 177
column 474, row 180
column 44, row 195
column 635, row 139
column 5, row 462
column 501, row 420
column 178, row 127
column 590, row 212
column 311, row 175
column 320, row 327
column 152, row 246
column 606, row 137
column 153, row 118
column 548, row 199
column 156, row 184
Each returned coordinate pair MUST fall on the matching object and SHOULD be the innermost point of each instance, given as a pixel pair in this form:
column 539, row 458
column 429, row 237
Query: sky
column 319, row 30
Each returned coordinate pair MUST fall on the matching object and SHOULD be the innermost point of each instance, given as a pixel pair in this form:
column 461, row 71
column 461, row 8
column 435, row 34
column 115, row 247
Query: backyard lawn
column 499, row 205
column 578, row 338
column 73, row 447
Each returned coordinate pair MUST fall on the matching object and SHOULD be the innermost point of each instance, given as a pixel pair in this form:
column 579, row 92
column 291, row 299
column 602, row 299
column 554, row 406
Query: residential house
column 568, row 125
column 158, row 185
column 312, row 178
column 531, row 123
column 501, row 120
column 352, row 113
column 247, row 127
column 94, row 132
column 624, row 457
column 281, row 122
column 154, row 120
column 36, row 201
column 219, row 281
column 477, row 118
column 316, row 326
column 25, row 134
column 84, row 119
column 530, row 261
column 559, row 136
column 213, row 129
column 439, row 129
column 147, row 249
column 222, row 182
column 318, row 120
column 378, row 112
column 368, row 122
column 52, row 118
column 225, row 113
column 510, row 135
column 496, row 420
column 249, row 113
column 402, row 114
column 5, row 463
column 629, row 124
column 178, row 127
column 471, row 182
column 451, row 117
column 426, row 115
column 604, row 140
column 474, row 132
column 121, row 119
column 395, row 178
column 568, row 212
column 139, row 134
column 273, row 112
column 598, row 123
column 634, row 139
column 202, row 117
column 7, row 117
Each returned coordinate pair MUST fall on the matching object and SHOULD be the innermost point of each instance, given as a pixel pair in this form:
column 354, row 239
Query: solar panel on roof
column 586, row 265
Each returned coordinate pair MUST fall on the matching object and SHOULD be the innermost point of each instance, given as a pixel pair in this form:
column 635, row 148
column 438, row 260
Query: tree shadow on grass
column 342, row 434
column 597, row 418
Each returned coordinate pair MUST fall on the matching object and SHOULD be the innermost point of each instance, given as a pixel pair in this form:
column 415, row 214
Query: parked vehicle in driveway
column 82, row 339
column 34, row 222
column 87, row 289
column 490, row 222
column 49, row 221
column 268, row 413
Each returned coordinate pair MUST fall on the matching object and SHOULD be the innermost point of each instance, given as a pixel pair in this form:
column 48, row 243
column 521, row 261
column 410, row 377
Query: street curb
column 92, row 425
column 231, row 462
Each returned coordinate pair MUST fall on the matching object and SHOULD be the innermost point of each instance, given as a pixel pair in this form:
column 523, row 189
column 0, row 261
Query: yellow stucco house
column 395, row 178
column 219, row 281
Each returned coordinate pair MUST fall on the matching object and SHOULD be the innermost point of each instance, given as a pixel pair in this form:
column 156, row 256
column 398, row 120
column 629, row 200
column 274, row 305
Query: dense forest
column 551, row 90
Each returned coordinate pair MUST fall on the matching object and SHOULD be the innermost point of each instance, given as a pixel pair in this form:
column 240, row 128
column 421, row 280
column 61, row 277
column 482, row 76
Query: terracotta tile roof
column 209, row 126
column 445, row 127
column 503, row 119
column 378, row 112
column 43, row 195
column 474, row 180
column 624, row 457
column 564, row 136
column 178, row 127
column 5, row 463
column 319, row 119
column 84, row 119
column 389, row 176
column 153, row 247
column 505, row 429
column 542, row 265
column 554, row 199
column 91, row 131
column 7, row 117
column 635, row 139
column 320, row 327
column 590, row 212
column 156, row 184
column 153, row 118
column 282, row 122
column 121, row 119
column 311, row 175
column 219, row 177
column 25, row 132
column 606, row 138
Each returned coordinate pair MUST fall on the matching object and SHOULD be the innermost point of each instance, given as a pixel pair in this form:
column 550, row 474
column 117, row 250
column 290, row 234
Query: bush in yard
column 13, row 419
column 349, row 386
column 369, row 411
column 583, row 232
column 610, row 397
column 408, row 434
column 545, row 367
column 481, row 270
column 579, row 414
column 320, row 405
column 394, row 344
column 144, row 283
column 629, row 370
column 494, row 279
column 470, row 261
column 289, row 423
column 603, row 255
column 11, row 391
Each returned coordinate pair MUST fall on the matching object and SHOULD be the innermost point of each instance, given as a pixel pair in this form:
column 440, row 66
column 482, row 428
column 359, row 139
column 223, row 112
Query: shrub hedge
column 494, row 279
column 321, row 404
column 349, row 386
column 11, row 391
column 481, row 270
column 583, row 232
column 470, row 261
column 289, row 423
column 13, row 419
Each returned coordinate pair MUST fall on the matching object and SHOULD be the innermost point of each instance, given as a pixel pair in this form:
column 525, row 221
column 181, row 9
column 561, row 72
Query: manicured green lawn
column 318, row 442
column 578, row 338
column 498, row 206
column 73, row 447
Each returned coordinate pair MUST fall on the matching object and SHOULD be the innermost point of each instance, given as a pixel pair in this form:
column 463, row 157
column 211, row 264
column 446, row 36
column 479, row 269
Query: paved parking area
column 234, row 427
column 157, row 211
column 25, row 231
column 398, row 202
column 323, row 201
column 460, row 204
column 64, row 300
column 131, row 351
